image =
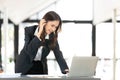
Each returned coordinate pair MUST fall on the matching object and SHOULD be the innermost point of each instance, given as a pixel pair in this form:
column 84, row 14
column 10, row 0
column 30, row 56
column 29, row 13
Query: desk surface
column 50, row 78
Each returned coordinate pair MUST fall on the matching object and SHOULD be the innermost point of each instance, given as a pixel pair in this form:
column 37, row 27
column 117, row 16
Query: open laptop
column 83, row 66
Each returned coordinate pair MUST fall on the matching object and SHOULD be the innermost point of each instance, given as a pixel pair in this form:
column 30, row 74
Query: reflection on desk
column 47, row 77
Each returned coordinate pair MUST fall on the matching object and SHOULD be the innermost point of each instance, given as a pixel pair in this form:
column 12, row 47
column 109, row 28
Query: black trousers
column 37, row 68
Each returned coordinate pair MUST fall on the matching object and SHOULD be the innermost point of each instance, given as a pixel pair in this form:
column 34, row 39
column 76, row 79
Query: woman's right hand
column 41, row 26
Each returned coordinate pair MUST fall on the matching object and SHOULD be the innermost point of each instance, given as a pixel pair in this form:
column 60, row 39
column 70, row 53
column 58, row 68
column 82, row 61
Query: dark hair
column 51, row 16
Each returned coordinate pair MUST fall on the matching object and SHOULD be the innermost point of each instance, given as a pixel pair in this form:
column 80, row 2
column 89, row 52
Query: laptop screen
column 83, row 66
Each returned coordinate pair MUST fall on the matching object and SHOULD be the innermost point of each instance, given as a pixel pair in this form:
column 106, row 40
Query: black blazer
column 29, row 51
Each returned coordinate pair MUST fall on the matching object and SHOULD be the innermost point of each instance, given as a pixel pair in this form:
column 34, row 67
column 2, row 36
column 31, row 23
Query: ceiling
column 105, row 10
column 19, row 10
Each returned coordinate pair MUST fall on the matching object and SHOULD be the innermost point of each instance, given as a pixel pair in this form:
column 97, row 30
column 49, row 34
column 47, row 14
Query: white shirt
column 39, row 52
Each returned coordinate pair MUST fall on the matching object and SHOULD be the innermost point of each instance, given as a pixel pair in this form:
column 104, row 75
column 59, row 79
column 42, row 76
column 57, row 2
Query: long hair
column 51, row 16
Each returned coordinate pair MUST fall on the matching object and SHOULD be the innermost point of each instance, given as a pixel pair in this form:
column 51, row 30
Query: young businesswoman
column 39, row 40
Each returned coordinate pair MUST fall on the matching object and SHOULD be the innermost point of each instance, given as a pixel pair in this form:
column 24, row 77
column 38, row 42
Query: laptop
column 83, row 66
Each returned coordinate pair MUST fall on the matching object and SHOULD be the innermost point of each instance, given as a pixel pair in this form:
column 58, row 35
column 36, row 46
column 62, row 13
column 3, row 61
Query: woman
column 39, row 40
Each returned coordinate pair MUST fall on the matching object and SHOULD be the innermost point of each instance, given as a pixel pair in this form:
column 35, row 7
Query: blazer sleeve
column 29, row 51
column 32, row 43
column 60, row 59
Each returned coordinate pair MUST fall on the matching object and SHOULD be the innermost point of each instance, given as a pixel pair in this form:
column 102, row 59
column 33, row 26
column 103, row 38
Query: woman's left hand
column 66, row 71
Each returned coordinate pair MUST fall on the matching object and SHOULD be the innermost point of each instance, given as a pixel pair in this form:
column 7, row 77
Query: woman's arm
column 32, row 43
column 60, row 59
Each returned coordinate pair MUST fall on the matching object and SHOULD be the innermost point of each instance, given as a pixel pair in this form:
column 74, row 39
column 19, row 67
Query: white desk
column 50, row 78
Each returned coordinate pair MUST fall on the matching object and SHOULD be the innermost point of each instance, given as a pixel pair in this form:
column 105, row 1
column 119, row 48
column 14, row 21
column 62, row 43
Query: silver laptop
column 83, row 66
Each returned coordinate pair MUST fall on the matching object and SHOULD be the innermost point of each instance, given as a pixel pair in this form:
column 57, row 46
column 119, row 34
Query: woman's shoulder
column 30, row 29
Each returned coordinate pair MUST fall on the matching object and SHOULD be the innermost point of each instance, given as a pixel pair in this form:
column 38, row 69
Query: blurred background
column 79, row 35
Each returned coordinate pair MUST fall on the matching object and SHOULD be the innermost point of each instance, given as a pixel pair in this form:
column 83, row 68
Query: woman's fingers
column 42, row 23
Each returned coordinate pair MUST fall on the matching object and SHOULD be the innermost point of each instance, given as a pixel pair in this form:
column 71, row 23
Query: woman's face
column 51, row 26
